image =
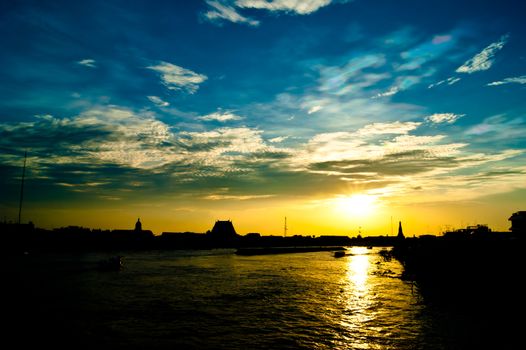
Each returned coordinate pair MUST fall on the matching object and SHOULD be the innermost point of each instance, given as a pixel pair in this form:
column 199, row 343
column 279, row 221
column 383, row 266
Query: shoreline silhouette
column 27, row 238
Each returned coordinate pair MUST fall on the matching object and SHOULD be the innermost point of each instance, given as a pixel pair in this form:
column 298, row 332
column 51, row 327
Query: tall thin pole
column 22, row 189
column 285, row 228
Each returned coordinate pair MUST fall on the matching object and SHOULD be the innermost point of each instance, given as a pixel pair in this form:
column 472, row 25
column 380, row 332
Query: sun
column 356, row 205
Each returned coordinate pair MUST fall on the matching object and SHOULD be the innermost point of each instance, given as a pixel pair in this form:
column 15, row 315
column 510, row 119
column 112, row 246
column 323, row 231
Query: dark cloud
column 406, row 163
column 46, row 137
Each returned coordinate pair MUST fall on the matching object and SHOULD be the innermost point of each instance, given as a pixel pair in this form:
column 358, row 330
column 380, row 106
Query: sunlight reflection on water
column 217, row 300
column 359, row 299
column 378, row 310
column 358, row 269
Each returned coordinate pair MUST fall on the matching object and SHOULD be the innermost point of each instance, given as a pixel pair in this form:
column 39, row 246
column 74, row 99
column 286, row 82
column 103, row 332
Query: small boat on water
column 111, row 264
column 339, row 254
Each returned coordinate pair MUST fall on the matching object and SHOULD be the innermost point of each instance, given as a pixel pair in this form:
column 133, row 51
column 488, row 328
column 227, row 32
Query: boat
column 339, row 254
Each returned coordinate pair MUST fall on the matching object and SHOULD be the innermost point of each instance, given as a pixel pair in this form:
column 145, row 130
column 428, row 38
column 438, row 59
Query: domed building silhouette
column 138, row 225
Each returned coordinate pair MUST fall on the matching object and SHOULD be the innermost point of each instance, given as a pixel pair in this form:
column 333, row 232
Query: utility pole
column 22, row 189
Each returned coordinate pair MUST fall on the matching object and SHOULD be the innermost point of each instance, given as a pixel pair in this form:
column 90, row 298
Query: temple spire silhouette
column 400, row 231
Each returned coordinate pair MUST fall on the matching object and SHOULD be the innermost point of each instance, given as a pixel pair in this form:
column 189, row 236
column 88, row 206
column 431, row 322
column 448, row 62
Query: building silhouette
column 518, row 222
column 138, row 225
column 137, row 232
column 223, row 230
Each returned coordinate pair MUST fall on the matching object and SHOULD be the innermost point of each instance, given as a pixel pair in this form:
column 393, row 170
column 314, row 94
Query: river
column 217, row 300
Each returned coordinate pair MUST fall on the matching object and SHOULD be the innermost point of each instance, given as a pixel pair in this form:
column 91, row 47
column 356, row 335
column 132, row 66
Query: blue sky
column 196, row 104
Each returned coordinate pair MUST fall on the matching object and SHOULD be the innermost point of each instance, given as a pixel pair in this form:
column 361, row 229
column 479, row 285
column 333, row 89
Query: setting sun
column 358, row 205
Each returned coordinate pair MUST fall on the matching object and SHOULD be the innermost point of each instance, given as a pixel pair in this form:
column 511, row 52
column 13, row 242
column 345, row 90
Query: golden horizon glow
column 305, row 216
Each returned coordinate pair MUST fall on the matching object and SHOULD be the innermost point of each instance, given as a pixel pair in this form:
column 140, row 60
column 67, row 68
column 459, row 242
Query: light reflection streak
column 359, row 299
column 358, row 269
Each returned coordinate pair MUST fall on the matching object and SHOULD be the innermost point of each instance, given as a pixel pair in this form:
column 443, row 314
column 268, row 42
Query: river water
column 218, row 300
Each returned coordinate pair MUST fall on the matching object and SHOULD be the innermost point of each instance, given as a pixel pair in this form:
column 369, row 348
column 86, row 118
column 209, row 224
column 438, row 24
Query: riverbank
column 479, row 278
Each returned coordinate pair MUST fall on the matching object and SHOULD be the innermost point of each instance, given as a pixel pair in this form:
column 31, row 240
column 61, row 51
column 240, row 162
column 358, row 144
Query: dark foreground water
column 217, row 300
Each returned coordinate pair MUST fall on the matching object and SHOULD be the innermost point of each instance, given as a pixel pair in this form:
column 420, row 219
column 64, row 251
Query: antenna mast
column 285, row 228
column 22, row 188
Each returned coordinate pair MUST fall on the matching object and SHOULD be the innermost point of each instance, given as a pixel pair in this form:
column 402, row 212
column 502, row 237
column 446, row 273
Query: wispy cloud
column 223, row 140
column 402, row 83
column 302, row 7
column 221, row 116
column 448, row 118
column 394, row 128
column 484, row 59
column 221, row 11
column 87, row 62
column 314, row 109
column 364, row 160
column 440, row 39
column 334, row 78
column 392, row 91
column 344, row 91
column 278, row 139
column 228, row 10
column 158, row 101
column 178, row 78
column 448, row 81
column 515, row 80
column 366, row 144
column 417, row 56
column 498, row 128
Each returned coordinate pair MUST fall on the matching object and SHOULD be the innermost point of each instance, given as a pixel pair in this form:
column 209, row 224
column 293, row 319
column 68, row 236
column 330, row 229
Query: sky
column 346, row 117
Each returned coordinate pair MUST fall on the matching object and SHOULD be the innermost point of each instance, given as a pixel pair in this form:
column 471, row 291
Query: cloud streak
column 484, row 59
column 221, row 11
column 87, row 62
column 278, row 139
column 158, row 101
column 228, row 10
column 439, row 118
column 515, row 80
column 301, row 7
column 448, row 81
column 178, row 78
column 220, row 116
